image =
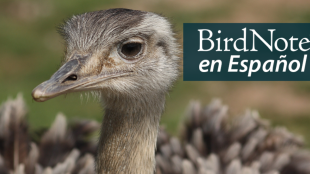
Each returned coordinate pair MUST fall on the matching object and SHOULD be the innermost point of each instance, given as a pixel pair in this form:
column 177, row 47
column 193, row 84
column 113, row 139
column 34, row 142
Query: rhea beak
column 63, row 81
column 69, row 78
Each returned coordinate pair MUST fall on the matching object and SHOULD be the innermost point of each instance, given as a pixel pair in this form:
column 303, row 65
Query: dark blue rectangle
column 267, row 44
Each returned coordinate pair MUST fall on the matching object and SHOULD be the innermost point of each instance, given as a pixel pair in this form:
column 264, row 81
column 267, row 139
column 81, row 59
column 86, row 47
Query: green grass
column 298, row 125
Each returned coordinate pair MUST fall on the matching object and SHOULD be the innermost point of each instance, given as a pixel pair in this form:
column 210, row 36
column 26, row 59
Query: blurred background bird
column 211, row 143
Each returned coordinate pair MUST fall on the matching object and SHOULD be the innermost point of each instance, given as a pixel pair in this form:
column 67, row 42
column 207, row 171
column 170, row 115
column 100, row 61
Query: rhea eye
column 130, row 50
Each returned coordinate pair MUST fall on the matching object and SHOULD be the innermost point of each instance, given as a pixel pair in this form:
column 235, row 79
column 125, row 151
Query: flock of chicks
column 211, row 144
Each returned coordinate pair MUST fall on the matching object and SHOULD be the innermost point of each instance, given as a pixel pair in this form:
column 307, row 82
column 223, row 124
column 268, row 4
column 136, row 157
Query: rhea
column 129, row 58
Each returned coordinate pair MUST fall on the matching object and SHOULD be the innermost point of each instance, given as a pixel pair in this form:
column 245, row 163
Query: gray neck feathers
column 129, row 133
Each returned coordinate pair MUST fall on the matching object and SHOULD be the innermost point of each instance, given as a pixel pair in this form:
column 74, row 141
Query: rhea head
column 130, row 57
column 117, row 52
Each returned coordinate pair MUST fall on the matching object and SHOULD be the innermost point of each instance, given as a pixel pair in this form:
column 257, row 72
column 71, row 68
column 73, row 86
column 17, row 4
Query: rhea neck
column 129, row 133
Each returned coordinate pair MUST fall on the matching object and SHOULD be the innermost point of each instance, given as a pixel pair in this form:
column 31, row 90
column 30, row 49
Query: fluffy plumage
column 19, row 154
column 211, row 144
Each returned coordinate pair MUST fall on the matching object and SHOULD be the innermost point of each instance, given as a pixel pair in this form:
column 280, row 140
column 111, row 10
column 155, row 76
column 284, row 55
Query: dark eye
column 131, row 49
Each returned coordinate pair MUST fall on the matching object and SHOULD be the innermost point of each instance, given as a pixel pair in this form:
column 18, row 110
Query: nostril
column 71, row 78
